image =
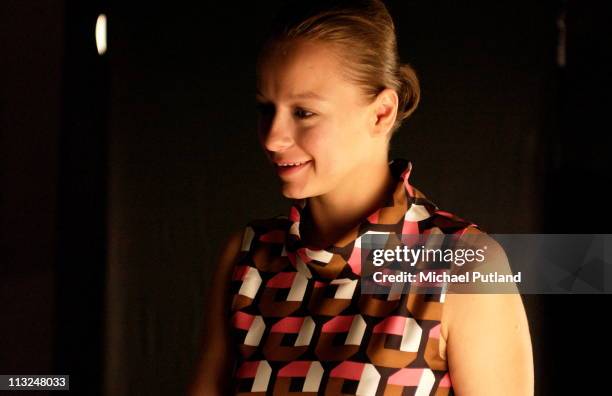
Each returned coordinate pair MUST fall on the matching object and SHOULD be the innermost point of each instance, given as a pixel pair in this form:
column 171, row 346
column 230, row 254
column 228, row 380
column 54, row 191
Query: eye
column 301, row 113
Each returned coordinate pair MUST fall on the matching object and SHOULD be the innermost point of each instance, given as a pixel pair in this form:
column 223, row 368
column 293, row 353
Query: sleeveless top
column 301, row 325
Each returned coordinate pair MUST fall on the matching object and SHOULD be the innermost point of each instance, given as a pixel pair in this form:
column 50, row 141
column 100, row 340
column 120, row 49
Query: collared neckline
column 389, row 215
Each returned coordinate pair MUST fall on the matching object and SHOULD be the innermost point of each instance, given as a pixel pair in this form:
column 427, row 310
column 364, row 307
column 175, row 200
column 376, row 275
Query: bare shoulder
column 229, row 251
column 222, row 266
column 486, row 336
column 215, row 361
column 458, row 304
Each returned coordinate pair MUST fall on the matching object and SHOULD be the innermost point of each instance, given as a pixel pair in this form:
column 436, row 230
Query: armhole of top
column 470, row 228
column 442, row 348
column 230, row 255
column 443, row 340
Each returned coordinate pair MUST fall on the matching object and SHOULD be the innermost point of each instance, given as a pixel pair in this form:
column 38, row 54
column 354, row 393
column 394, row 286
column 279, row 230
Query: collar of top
column 331, row 261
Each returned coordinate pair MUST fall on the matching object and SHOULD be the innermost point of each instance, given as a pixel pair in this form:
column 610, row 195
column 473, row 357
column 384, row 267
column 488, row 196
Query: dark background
column 121, row 174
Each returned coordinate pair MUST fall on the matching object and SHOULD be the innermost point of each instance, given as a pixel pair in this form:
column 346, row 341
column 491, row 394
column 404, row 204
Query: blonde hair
column 364, row 34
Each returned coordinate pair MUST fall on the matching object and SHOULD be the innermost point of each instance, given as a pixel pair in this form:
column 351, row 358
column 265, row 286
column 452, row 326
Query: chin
column 292, row 193
column 293, row 196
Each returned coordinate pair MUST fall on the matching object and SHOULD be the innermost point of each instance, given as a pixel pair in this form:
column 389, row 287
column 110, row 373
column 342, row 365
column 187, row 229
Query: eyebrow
column 301, row 95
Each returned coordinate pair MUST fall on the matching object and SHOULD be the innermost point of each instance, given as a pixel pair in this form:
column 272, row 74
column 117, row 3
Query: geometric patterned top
column 301, row 325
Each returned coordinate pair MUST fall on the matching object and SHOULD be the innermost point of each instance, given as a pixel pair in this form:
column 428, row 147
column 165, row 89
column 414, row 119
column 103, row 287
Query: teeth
column 292, row 163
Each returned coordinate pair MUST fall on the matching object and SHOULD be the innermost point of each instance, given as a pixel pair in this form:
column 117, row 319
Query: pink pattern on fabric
column 435, row 332
column 373, row 218
column 275, row 236
column 282, row 280
column 295, row 369
column 239, row 272
column 288, row 325
column 248, row 370
column 334, row 319
column 294, row 215
column 406, row 377
column 348, row 370
column 302, row 253
column 242, row 320
column 355, row 261
column 406, row 176
column 444, row 213
column 410, row 228
column 445, row 382
column 391, row 325
column 339, row 324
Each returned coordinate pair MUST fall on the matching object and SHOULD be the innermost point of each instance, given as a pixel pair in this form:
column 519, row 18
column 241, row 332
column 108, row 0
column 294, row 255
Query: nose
column 276, row 134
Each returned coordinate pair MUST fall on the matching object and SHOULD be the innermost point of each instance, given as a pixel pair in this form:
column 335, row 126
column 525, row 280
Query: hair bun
column 410, row 94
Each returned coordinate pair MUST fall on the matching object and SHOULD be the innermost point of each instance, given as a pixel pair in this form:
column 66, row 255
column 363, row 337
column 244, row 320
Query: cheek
column 333, row 151
column 333, row 142
column 316, row 138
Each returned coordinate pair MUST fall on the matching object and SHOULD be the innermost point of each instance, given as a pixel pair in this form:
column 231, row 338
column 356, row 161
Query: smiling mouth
column 290, row 168
column 290, row 164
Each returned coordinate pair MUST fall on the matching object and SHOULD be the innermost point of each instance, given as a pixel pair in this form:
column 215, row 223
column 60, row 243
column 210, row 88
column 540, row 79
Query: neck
column 331, row 216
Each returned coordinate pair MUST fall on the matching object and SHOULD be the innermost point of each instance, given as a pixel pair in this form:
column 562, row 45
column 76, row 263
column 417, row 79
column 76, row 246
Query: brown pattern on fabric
column 302, row 326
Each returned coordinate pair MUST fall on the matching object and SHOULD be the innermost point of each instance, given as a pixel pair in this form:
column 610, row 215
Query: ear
column 385, row 111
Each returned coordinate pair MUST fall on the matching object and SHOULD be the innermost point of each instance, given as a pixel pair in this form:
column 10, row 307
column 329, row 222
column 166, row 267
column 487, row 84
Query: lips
column 289, row 168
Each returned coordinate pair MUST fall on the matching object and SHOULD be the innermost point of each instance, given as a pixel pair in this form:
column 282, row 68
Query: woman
column 287, row 313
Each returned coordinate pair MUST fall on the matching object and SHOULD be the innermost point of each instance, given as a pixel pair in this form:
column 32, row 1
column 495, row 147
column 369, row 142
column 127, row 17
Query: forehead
column 299, row 67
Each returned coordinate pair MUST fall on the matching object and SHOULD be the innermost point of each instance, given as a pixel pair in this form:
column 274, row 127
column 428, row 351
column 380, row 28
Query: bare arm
column 488, row 345
column 215, row 362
